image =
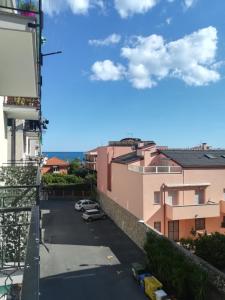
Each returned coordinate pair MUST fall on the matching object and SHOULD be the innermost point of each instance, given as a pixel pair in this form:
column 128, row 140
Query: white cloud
column 168, row 21
column 106, row 70
column 191, row 59
column 127, row 8
column 52, row 7
column 189, row 3
column 110, row 40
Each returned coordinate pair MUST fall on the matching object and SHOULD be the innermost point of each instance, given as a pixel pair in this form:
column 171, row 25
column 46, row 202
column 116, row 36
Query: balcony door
column 172, row 198
column 199, row 197
column 173, row 230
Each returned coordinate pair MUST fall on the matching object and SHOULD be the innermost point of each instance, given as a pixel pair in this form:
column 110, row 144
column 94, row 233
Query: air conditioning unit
column 161, row 295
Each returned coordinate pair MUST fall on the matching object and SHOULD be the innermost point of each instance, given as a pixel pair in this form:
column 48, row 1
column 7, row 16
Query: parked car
column 93, row 214
column 84, row 204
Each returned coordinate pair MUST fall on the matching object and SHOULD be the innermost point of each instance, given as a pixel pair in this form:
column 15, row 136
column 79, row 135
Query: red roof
column 55, row 161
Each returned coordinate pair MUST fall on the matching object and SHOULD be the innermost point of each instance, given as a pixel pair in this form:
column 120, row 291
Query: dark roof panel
column 197, row 158
column 127, row 158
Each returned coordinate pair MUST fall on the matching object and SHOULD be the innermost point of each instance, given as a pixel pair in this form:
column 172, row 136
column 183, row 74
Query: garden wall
column 137, row 232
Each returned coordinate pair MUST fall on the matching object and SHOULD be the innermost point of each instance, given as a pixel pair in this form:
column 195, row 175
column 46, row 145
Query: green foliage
column 174, row 269
column 202, row 246
column 92, row 178
column 14, row 236
column 188, row 243
column 74, row 166
column 212, row 249
column 18, row 175
column 61, row 179
column 29, row 6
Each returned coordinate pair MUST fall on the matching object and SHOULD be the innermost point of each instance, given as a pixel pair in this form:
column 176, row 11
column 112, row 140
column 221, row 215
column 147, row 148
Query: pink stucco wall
column 105, row 156
column 127, row 189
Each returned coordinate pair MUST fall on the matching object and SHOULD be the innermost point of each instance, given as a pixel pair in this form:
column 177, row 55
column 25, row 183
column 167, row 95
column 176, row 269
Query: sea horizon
column 65, row 155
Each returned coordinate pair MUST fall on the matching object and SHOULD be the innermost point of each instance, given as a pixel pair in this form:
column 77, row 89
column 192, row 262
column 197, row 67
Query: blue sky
column 152, row 69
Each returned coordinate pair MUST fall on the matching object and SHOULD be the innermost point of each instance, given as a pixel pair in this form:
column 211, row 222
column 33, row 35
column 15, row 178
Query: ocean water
column 65, row 155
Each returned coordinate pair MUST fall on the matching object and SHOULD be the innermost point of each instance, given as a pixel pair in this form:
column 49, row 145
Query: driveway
column 85, row 260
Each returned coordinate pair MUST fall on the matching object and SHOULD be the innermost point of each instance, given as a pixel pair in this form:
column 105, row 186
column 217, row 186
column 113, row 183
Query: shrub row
column 211, row 248
column 178, row 274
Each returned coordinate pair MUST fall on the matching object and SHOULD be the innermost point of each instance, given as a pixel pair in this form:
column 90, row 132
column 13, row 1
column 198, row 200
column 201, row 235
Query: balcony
column 155, row 169
column 20, row 35
column 183, row 212
column 22, row 108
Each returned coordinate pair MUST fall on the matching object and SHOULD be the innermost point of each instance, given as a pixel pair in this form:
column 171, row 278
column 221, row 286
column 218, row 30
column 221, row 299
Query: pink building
column 176, row 191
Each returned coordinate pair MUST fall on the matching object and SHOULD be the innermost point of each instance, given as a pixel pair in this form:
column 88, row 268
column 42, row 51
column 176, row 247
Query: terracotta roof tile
column 55, row 161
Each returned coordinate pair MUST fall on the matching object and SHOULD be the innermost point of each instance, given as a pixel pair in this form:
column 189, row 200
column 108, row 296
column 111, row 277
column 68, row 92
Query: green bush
column 212, row 249
column 188, row 243
column 174, row 269
column 62, row 179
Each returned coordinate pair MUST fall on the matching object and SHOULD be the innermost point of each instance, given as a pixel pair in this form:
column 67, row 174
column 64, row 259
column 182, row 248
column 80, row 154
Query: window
column 199, row 224
column 55, row 169
column 172, row 198
column 199, row 197
column 157, row 226
column 156, row 197
column 9, row 122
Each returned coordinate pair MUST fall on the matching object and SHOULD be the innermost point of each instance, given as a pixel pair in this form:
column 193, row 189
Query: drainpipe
column 164, row 212
column 13, row 141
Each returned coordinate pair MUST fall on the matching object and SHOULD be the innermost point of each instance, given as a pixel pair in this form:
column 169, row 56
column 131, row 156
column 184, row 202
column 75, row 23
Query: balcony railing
column 155, row 169
column 22, row 101
column 30, row 287
column 19, row 231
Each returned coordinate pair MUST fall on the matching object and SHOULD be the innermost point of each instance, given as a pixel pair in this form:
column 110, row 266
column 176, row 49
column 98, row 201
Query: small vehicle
column 85, row 204
column 93, row 214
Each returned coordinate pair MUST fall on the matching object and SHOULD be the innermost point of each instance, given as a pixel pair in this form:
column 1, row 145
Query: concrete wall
column 3, row 134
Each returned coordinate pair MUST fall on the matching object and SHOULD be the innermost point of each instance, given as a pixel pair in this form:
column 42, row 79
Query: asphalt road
column 85, row 260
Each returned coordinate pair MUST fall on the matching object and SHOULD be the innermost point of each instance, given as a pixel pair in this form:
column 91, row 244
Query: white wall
column 3, row 134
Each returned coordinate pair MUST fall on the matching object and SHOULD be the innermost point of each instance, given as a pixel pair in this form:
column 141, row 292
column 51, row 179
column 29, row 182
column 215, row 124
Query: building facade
column 90, row 159
column 55, row 165
column 178, row 192
column 20, row 83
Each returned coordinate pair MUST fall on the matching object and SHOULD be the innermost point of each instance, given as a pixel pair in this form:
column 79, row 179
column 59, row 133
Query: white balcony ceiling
column 21, row 112
column 18, row 57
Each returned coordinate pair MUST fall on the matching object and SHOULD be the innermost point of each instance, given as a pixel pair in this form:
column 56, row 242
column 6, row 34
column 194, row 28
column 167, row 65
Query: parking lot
column 85, row 260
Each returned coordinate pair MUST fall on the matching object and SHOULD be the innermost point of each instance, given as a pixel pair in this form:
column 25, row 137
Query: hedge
column 178, row 274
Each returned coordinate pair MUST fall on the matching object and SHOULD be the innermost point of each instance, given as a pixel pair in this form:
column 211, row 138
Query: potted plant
column 29, row 9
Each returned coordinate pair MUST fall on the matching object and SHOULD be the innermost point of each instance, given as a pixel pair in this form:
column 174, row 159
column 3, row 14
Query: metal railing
column 23, row 163
column 22, row 101
column 30, row 286
column 155, row 169
column 19, row 231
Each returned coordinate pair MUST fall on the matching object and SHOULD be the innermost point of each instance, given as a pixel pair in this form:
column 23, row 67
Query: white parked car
column 93, row 214
column 84, row 204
